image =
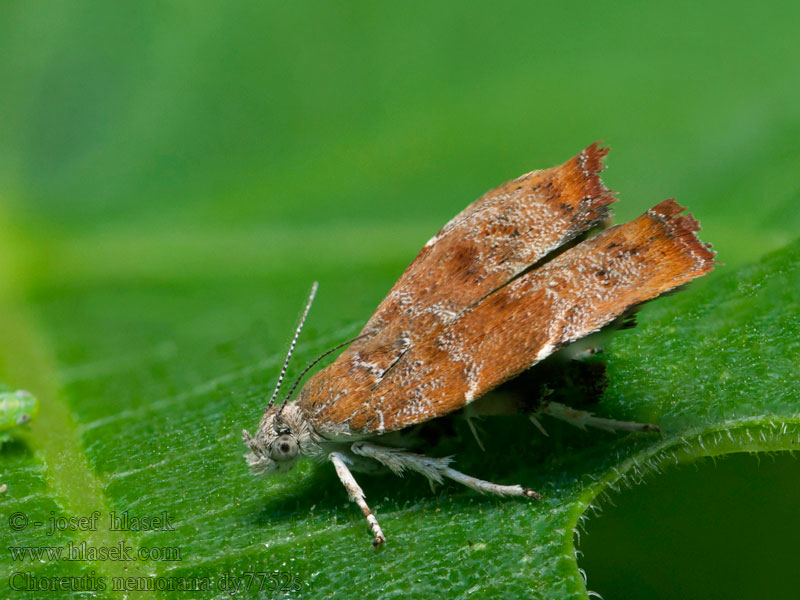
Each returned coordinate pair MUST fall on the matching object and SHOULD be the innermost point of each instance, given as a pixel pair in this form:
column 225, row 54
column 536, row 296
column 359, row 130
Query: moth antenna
column 294, row 341
column 314, row 362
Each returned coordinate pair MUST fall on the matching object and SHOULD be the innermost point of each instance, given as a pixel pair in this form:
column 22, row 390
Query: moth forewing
column 488, row 297
column 489, row 243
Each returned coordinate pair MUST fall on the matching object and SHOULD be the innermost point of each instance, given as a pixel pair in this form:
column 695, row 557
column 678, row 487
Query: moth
column 521, row 273
column 16, row 408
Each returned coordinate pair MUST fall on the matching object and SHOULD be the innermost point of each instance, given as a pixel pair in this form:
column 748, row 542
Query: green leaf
column 159, row 433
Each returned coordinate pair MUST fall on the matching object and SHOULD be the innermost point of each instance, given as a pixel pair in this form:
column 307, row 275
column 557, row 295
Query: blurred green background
column 173, row 175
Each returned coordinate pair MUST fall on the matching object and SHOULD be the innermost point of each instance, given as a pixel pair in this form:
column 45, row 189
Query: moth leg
column 474, row 431
column 435, row 469
column 538, row 424
column 356, row 495
column 487, row 487
column 582, row 419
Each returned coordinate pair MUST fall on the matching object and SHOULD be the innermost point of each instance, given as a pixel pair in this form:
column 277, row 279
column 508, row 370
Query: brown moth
column 505, row 284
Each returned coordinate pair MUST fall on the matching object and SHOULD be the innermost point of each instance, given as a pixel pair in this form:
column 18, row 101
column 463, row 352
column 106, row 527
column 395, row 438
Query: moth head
column 282, row 438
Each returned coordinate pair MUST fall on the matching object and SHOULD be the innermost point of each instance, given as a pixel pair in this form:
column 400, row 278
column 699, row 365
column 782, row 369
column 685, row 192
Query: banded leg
column 582, row 419
column 435, row 469
column 356, row 495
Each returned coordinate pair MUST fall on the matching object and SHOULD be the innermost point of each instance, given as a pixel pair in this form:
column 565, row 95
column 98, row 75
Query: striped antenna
column 315, row 361
column 294, row 341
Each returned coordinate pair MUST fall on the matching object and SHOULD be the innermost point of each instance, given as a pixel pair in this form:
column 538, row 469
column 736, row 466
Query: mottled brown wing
column 565, row 299
column 496, row 237
column 491, row 241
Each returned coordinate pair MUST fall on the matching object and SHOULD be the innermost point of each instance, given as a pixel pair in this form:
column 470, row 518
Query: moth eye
column 284, row 448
